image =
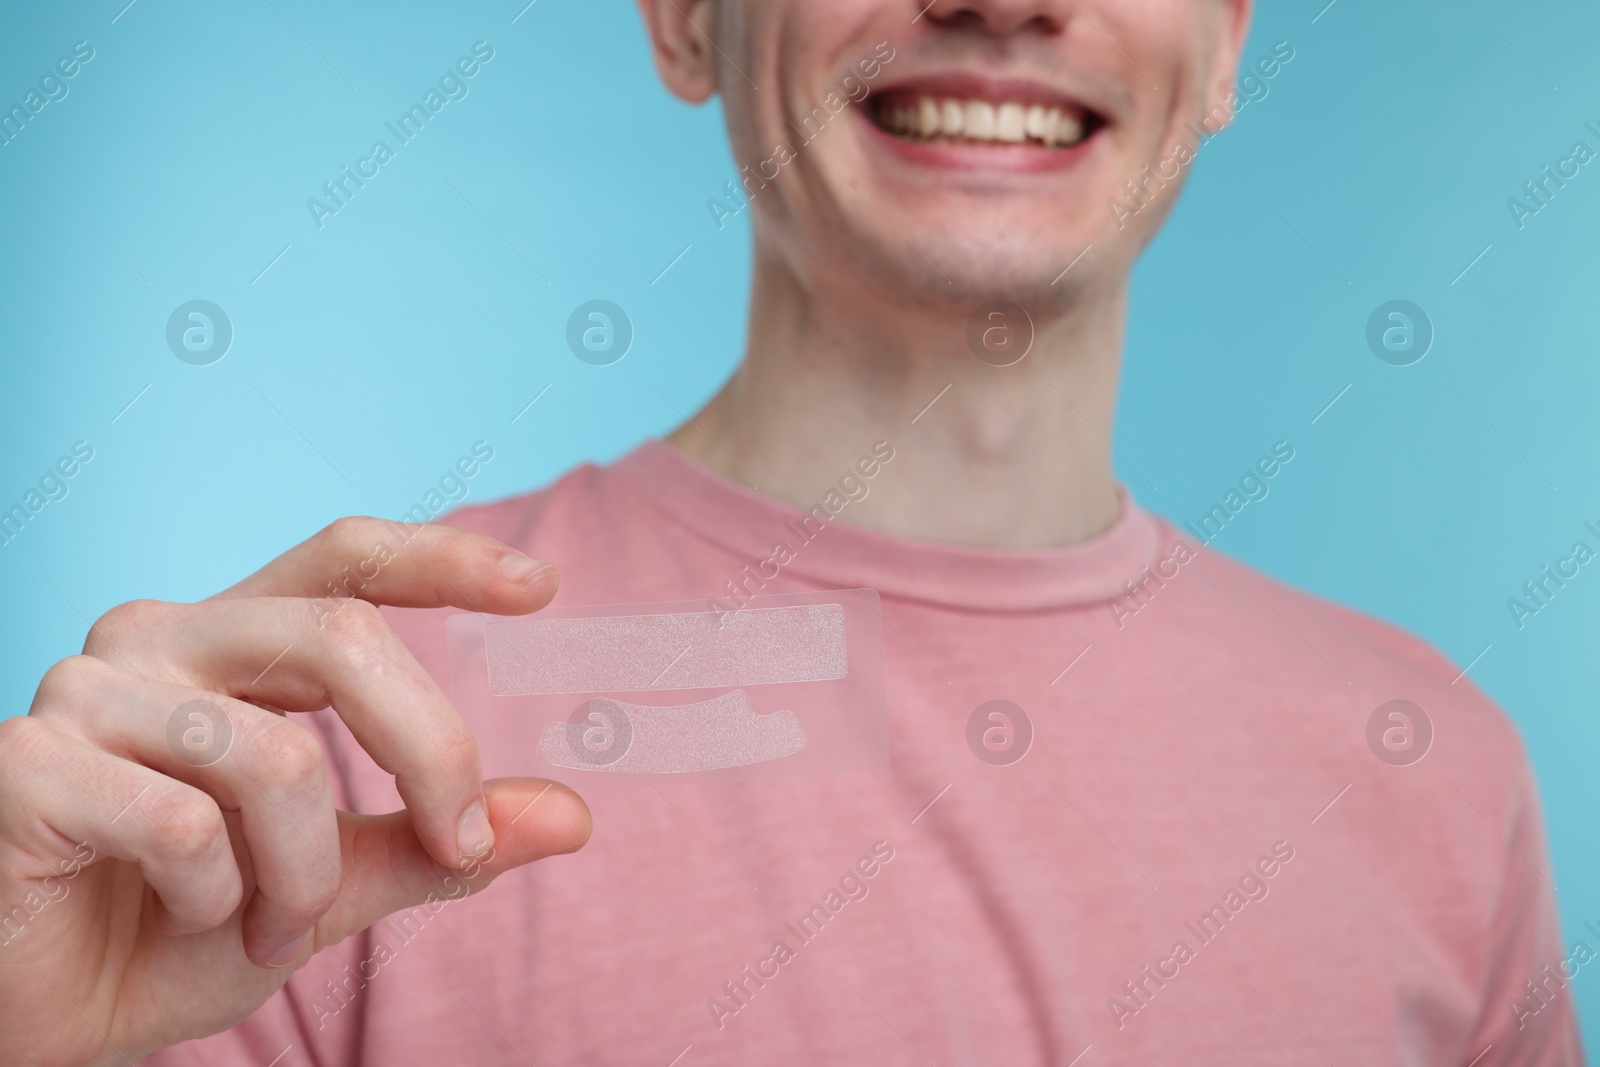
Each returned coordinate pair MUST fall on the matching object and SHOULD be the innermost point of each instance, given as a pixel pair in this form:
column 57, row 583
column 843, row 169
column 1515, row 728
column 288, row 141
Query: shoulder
column 1360, row 663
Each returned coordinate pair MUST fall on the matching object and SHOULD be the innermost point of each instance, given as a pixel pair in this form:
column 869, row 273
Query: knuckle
column 24, row 741
column 67, row 683
column 187, row 826
column 286, row 759
column 343, row 535
column 134, row 616
column 307, row 899
column 357, row 634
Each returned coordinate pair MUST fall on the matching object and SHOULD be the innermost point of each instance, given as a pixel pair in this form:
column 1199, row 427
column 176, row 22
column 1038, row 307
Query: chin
column 961, row 267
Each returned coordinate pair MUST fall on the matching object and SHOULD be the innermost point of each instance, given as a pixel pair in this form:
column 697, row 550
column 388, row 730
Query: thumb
column 387, row 869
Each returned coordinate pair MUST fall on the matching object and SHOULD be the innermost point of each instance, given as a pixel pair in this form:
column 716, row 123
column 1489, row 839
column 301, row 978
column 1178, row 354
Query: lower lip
column 988, row 156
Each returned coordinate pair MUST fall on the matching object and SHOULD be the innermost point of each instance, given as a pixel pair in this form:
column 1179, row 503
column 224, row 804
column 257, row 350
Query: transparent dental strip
column 679, row 650
column 789, row 684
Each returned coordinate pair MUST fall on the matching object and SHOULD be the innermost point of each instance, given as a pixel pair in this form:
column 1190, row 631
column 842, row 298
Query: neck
column 1007, row 457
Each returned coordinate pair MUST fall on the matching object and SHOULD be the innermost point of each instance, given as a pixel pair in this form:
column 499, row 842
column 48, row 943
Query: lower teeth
column 943, row 138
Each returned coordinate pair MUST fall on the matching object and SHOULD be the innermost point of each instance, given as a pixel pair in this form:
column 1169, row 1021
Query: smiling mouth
column 970, row 120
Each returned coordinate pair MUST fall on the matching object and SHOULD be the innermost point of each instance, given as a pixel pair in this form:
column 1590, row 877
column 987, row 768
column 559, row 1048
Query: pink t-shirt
column 1201, row 859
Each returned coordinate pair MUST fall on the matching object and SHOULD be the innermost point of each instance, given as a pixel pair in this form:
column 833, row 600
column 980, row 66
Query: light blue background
column 409, row 328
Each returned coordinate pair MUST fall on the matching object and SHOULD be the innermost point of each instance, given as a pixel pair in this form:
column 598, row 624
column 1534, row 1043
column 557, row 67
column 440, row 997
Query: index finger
column 406, row 565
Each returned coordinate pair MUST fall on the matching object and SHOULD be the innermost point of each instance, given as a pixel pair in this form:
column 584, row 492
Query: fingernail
column 519, row 569
column 474, row 835
column 288, row 953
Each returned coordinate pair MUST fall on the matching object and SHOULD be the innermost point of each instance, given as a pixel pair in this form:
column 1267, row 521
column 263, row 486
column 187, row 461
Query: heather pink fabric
column 1212, row 741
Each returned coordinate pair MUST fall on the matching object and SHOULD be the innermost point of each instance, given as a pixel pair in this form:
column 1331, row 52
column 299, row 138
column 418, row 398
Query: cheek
column 1171, row 43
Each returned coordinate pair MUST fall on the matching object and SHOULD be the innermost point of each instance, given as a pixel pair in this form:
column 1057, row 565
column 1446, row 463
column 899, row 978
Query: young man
column 1219, row 845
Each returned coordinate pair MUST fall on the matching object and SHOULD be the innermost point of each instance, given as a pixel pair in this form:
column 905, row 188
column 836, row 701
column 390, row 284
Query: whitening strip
column 786, row 685
column 685, row 650
column 713, row 734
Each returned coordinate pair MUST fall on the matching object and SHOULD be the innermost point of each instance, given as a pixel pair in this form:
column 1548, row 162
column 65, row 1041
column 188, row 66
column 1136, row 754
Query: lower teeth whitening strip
column 784, row 685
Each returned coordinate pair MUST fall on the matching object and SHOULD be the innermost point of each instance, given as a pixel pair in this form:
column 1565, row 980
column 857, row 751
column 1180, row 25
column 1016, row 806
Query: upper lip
column 966, row 85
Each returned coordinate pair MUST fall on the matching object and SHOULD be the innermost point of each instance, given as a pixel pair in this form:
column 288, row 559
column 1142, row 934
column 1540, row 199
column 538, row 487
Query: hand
column 163, row 871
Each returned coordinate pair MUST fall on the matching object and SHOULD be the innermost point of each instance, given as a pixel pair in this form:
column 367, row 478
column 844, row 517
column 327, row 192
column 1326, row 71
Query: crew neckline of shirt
column 750, row 525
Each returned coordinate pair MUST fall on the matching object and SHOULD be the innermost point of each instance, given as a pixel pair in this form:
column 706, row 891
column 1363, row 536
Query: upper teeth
column 981, row 120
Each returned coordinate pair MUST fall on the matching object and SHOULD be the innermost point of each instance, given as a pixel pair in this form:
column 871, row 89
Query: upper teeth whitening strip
column 685, row 650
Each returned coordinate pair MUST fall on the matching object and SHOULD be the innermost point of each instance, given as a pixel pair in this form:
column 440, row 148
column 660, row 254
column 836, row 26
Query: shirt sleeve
column 1527, row 1015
